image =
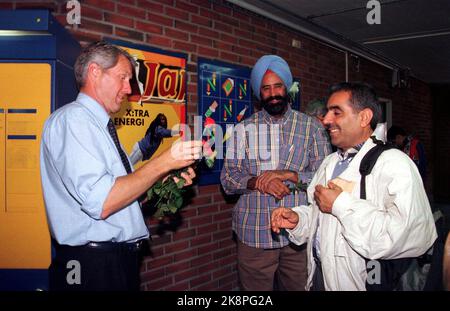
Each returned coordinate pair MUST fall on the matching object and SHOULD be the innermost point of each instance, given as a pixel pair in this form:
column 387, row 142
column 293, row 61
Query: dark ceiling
column 413, row 34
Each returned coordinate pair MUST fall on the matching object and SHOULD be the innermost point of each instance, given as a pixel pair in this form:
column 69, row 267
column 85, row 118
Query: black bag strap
column 391, row 270
column 368, row 162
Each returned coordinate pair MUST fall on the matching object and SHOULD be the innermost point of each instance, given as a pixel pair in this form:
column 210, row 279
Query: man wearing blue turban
column 263, row 161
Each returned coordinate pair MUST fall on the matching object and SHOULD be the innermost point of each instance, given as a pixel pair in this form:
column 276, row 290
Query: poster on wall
column 157, row 102
column 224, row 99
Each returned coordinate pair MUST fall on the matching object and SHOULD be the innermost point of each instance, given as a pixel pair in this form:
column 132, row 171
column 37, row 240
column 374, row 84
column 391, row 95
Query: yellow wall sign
column 158, row 87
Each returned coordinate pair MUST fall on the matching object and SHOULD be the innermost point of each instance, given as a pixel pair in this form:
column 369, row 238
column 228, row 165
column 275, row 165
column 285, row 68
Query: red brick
column 162, row 239
column 229, row 57
column 247, row 43
column 160, row 20
column 151, row 6
column 226, row 287
column 130, row 2
column 190, row 210
column 207, row 229
column 176, row 34
column 103, row 4
column 178, row 267
column 200, row 240
column 198, row 261
column 199, row 20
column 118, row 19
column 146, row 27
column 218, row 198
column 159, row 41
column 207, row 248
column 159, row 262
column 207, row 52
column 186, row 7
column 228, row 260
column 241, row 16
column 208, row 33
column 90, row 25
column 186, row 26
column 82, row 36
column 229, row 39
column 229, row 20
column 207, row 209
column 202, row 3
column 176, row 13
column 201, row 40
column 225, row 225
column 226, row 280
column 210, row 266
column 209, row 14
column 94, row 13
column 223, row 253
column 183, row 234
column 179, row 287
column 185, row 255
column 157, row 285
column 221, row 235
column 209, row 189
column 221, row 272
column 203, row 200
column 131, row 11
column 157, row 251
column 200, row 221
column 221, row 9
column 188, row 274
column 228, row 243
column 152, row 275
column 175, row 247
column 184, row 47
column 200, row 280
column 223, row 27
column 168, row 2
column 226, row 215
column 208, row 286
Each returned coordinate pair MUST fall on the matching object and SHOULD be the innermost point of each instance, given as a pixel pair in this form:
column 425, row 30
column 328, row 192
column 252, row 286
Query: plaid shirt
column 294, row 142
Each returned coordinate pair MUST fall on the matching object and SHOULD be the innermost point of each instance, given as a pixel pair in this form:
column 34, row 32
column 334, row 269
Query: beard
column 276, row 109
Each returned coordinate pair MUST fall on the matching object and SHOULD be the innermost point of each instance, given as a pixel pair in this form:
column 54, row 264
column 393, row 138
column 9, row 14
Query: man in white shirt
column 345, row 232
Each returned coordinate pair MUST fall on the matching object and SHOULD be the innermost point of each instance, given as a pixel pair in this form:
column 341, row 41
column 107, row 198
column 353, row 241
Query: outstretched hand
column 283, row 217
column 182, row 154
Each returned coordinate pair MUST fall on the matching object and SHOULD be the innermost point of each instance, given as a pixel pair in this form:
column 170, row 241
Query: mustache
column 330, row 127
column 276, row 97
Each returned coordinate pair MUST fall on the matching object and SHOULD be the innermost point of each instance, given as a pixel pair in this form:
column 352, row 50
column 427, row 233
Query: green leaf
column 173, row 209
column 181, row 183
column 179, row 202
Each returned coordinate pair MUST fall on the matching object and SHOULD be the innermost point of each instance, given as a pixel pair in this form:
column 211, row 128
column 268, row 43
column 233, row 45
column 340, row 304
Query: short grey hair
column 105, row 54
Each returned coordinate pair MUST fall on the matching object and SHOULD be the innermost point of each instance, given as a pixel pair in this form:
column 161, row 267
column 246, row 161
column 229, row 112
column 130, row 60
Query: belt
column 107, row 246
column 133, row 246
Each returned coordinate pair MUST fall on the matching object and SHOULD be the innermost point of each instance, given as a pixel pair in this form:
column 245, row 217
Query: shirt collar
column 94, row 107
column 349, row 153
column 283, row 119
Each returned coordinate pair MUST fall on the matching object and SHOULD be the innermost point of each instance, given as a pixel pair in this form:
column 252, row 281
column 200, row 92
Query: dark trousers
column 259, row 268
column 101, row 267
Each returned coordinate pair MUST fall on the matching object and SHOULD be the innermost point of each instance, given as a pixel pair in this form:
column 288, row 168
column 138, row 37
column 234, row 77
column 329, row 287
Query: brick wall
column 200, row 254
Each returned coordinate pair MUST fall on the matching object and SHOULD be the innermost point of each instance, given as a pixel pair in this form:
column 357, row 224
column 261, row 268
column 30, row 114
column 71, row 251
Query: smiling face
column 112, row 85
column 346, row 126
column 273, row 94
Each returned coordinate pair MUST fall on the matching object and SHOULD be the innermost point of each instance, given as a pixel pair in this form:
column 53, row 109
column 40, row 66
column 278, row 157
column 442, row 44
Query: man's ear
column 366, row 117
column 94, row 70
